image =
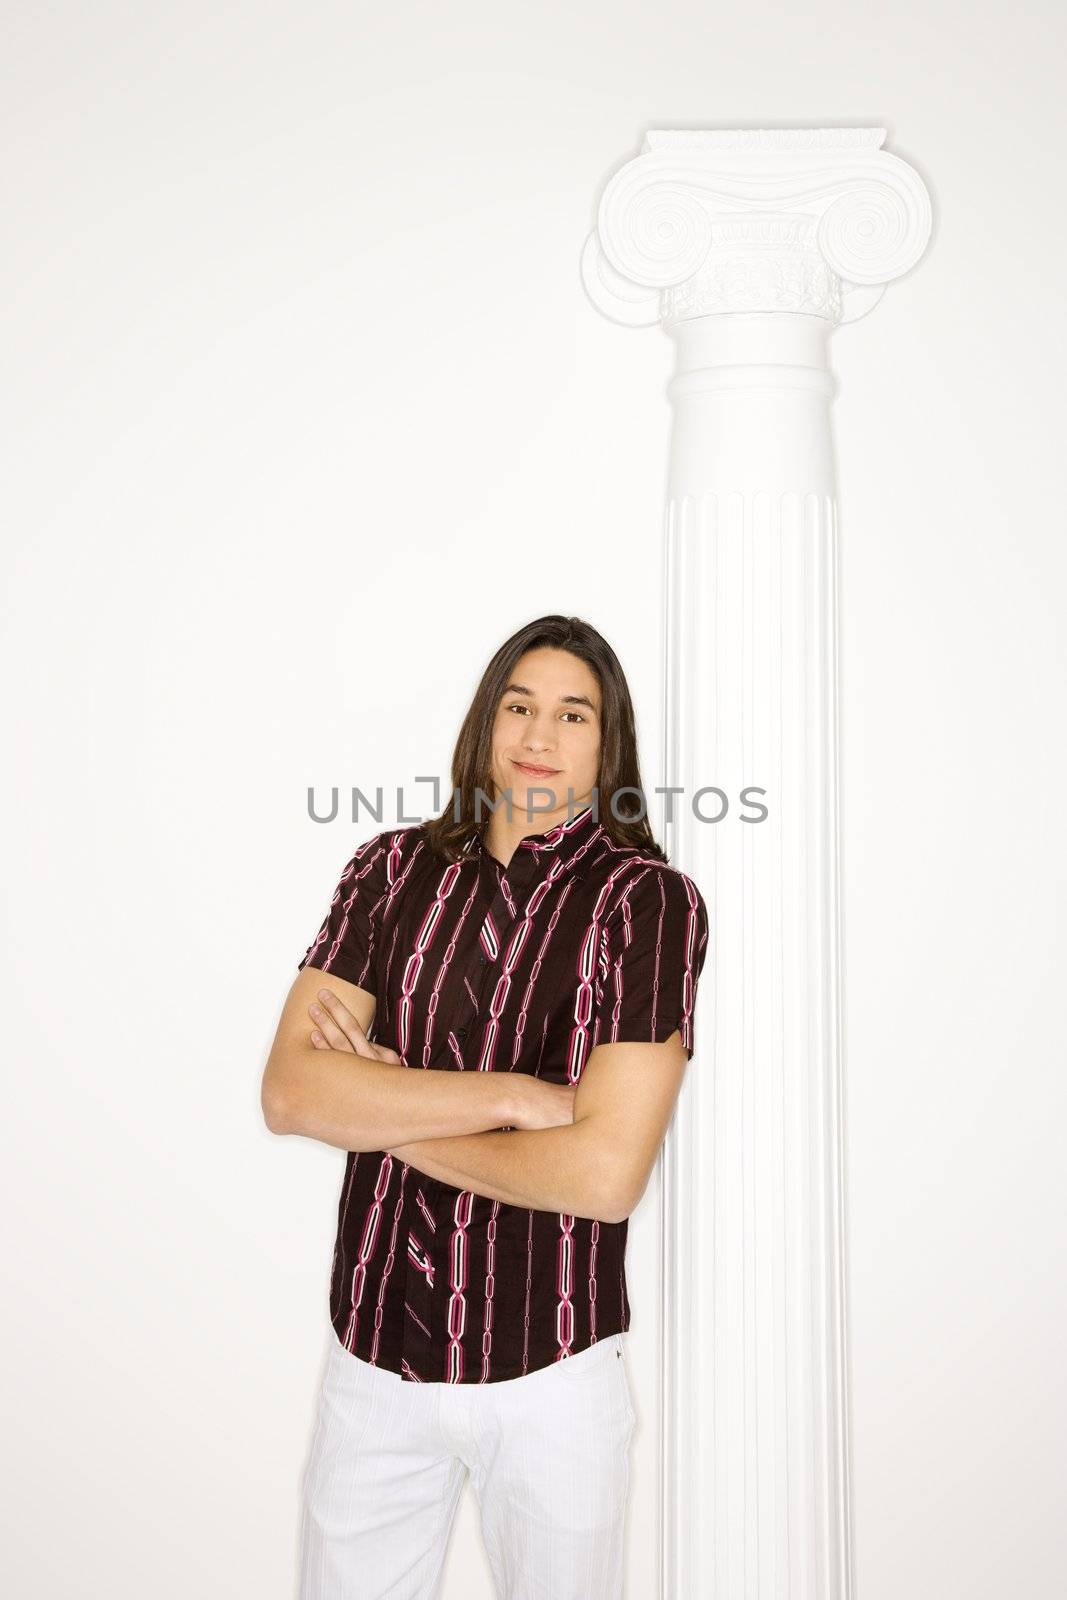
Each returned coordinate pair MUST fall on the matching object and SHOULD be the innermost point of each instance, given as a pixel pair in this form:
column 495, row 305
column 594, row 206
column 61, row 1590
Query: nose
column 538, row 736
column 539, row 748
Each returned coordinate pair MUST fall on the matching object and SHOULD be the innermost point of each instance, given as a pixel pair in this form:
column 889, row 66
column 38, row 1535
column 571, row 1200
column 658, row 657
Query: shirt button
column 461, row 1034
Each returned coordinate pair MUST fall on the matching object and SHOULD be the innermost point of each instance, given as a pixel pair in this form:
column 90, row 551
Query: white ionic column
column 749, row 247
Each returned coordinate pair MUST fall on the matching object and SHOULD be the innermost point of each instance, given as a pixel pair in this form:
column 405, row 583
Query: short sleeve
column 655, row 943
column 347, row 940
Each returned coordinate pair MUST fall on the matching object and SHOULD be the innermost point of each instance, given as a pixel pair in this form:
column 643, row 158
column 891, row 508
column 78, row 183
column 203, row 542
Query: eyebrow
column 564, row 699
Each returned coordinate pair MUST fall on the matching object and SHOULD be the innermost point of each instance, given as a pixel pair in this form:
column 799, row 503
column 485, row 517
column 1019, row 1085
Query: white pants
column 548, row 1457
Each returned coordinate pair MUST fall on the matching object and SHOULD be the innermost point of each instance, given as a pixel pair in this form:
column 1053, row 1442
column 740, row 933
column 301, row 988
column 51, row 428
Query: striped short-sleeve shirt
column 478, row 967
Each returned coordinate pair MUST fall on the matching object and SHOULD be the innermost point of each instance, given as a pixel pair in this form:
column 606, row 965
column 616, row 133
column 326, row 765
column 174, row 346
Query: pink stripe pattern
column 578, row 942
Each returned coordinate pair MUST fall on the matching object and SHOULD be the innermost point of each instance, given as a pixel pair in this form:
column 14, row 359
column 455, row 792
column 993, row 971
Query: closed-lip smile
column 541, row 772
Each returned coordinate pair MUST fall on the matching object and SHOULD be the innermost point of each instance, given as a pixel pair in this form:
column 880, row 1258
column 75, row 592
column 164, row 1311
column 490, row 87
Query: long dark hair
column 619, row 766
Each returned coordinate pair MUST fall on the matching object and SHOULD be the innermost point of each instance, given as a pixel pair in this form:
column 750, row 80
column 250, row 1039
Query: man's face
column 546, row 735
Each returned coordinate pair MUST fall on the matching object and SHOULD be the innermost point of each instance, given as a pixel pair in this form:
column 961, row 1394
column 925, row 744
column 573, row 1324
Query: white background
column 304, row 411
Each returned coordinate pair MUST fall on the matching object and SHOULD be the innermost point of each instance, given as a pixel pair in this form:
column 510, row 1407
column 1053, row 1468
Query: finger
column 347, row 1022
column 318, row 1041
column 321, row 1019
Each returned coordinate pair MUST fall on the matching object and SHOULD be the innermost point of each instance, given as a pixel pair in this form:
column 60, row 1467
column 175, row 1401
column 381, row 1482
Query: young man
column 530, row 987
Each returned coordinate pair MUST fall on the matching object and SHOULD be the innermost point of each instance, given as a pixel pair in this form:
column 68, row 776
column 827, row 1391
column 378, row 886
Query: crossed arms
column 587, row 1151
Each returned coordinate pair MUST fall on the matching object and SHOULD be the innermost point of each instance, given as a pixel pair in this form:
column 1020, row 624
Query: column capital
column 815, row 220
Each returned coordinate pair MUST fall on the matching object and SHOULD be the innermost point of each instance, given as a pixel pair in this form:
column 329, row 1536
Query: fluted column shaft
column 753, row 1206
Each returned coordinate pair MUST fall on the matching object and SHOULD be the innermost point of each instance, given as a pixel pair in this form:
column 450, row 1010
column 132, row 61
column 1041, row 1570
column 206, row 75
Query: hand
column 335, row 1028
column 541, row 1104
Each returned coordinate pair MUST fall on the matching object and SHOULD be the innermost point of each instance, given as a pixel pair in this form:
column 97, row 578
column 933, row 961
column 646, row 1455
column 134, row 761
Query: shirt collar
column 562, row 842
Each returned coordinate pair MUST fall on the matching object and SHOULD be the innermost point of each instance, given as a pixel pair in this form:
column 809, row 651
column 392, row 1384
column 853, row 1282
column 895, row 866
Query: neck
column 503, row 834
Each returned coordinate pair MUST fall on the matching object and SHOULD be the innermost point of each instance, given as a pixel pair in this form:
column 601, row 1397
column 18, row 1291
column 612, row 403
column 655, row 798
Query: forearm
column 564, row 1169
column 356, row 1103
